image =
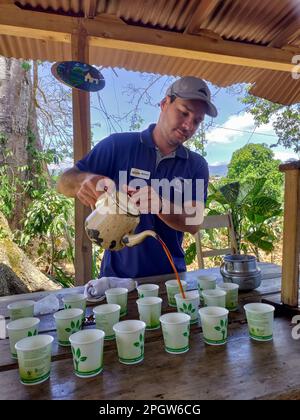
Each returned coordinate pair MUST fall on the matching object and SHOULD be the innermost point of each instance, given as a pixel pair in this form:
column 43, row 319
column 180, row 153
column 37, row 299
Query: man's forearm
column 184, row 222
column 70, row 182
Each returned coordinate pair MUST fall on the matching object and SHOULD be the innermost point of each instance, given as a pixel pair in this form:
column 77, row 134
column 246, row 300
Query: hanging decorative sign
column 78, row 75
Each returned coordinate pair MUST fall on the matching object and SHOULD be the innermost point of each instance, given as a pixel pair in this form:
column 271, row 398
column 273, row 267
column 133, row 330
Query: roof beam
column 112, row 35
column 36, row 25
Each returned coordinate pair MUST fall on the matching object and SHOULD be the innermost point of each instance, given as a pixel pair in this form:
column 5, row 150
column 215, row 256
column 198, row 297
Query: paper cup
column 21, row 309
column 150, row 310
column 205, row 282
column 68, row 321
column 147, row 290
column 232, row 295
column 118, row 295
column 34, row 358
column 176, row 332
column 87, row 351
column 21, row 328
column 214, row 321
column 189, row 305
column 260, row 318
column 214, row 297
column 172, row 289
column 74, row 300
column 130, row 337
column 106, row 316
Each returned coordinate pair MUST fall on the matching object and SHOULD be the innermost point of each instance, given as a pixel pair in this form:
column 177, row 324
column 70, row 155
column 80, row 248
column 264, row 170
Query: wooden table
column 241, row 369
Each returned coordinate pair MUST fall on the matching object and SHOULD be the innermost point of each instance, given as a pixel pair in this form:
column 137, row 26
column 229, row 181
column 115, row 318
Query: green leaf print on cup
column 141, row 295
column 154, row 324
column 187, row 309
column 67, row 306
column 78, row 358
column 31, row 334
column 231, row 306
column 257, row 332
column 140, row 344
column 200, row 289
column 222, row 328
column 74, row 327
column 186, row 333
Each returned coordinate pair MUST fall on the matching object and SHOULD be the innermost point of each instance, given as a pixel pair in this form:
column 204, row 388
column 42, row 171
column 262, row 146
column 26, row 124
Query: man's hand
column 92, row 187
column 145, row 199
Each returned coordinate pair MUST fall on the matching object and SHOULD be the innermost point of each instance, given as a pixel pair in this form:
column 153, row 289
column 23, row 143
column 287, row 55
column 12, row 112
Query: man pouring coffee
column 152, row 160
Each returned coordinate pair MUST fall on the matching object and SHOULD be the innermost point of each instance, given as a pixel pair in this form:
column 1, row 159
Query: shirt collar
column 147, row 139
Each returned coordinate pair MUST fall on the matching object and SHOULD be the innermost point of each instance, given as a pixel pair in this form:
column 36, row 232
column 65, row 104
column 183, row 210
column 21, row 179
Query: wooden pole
column 82, row 145
column 291, row 234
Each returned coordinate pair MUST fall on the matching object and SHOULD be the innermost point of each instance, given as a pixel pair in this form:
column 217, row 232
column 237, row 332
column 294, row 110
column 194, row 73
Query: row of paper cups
column 34, row 352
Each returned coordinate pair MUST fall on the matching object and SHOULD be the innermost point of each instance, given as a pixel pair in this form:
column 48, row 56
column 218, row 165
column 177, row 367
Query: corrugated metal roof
column 255, row 22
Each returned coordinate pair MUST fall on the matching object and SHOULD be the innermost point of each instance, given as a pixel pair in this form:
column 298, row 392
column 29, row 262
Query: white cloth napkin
column 95, row 289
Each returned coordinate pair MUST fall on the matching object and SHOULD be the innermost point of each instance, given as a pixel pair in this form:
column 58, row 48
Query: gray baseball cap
column 190, row 87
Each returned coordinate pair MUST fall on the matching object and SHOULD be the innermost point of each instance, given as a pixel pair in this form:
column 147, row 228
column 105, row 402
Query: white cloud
column 62, row 166
column 236, row 127
column 218, row 163
column 283, row 156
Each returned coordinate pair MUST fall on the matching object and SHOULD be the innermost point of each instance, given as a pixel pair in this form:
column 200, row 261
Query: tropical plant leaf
column 190, row 254
column 258, row 186
column 249, row 189
column 230, row 192
column 218, row 197
column 265, row 205
column 214, row 212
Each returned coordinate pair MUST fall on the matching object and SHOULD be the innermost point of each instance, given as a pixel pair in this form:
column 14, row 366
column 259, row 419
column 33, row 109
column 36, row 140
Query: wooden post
column 291, row 234
column 82, row 145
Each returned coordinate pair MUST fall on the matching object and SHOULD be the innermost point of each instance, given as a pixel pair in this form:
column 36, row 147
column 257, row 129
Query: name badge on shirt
column 140, row 173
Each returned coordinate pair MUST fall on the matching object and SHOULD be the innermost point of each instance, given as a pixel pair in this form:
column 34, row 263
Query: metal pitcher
column 242, row 270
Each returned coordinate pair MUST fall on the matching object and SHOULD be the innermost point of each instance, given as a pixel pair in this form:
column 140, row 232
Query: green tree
column 253, row 213
column 256, row 161
column 49, row 219
column 285, row 120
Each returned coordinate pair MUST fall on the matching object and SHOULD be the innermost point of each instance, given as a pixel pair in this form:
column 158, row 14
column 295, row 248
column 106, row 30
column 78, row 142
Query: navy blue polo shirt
column 136, row 150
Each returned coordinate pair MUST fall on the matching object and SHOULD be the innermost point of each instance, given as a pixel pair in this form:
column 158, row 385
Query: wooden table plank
column 242, row 369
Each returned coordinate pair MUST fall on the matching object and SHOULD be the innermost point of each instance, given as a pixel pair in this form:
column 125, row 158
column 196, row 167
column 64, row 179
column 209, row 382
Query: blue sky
column 231, row 130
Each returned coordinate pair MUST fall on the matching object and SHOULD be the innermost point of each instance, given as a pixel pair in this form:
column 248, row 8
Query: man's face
column 180, row 119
